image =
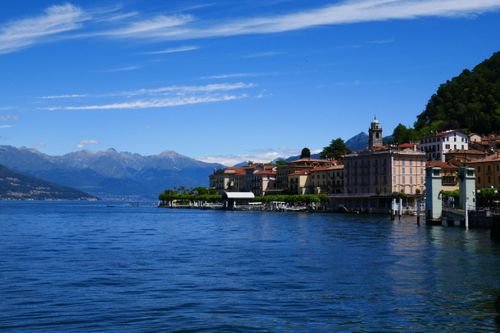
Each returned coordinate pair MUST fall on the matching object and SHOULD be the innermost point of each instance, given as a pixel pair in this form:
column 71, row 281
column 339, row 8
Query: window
column 447, row 146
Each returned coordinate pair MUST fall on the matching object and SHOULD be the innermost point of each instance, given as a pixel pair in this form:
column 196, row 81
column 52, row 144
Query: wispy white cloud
column 8, row 117
column 161, row 25
column 122, row 69
column 67, row 21
column 182, row 90
column 163, row 97
column 236, row 75
column 84, row 143
column 152, row 103
column 255, row 155
column 195, row 7
column 179, row 49
column 382, row 41
column 64, row 96
column 262, row 54
column 54, row 21
column 5, row 126
column 347, row 12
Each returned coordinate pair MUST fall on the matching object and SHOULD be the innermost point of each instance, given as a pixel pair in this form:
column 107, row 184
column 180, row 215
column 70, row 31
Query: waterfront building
column 264, row 181
column 384, row 171
column 299, row 182
column 230, row 179
column 299, row 165
column 487, row 171
column 435, row 146
column 377, row 175
column 373, row 178
column 328, row 179
column 318, row 180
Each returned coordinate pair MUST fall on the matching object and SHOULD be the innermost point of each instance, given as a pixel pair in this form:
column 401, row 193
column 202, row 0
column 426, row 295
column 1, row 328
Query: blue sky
column 227, row 80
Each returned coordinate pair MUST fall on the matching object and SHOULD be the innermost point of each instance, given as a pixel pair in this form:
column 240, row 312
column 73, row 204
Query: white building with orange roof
column 435, row 146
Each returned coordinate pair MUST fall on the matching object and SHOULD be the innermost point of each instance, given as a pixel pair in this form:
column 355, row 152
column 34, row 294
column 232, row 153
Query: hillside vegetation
column 470, row 101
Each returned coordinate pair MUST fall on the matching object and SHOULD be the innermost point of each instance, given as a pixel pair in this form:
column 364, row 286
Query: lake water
column 95, row 267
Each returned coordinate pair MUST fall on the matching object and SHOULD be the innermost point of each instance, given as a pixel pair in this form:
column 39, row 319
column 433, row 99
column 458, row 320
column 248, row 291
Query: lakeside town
column 370, row 180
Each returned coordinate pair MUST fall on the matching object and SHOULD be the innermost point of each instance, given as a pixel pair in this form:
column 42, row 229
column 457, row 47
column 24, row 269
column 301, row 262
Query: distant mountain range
column 14, row 186
column 110, row 174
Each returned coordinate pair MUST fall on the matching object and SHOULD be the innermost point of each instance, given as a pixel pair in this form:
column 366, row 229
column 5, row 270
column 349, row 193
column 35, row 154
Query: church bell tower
column 375, row 134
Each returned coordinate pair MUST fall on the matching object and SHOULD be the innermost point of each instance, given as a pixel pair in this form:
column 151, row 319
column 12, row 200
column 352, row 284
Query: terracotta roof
column 407, row 146
column 265, row 172
column 463, row 151
column 327, row 168
column 300, row 173
column 312, row 160
column 491, row 158
column 235, row 170
column 442, row 165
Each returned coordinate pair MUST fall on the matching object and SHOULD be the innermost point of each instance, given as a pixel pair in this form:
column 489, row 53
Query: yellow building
column 487, row 171
column 299, row 182
column 327, row 179
column 291, row 167
column 228, row 179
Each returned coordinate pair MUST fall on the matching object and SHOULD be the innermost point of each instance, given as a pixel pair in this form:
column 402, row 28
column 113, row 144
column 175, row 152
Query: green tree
column 306, row 153
column 335, row 149
column 402, row 134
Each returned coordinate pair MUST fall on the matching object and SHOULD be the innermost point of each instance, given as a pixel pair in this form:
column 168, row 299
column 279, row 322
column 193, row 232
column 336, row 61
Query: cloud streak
column 165, row 97
column 8, row 117
column 152, row 103
column 54, row 21
column 64, row 96
column 122, row 69
column 63, row 21
column 84, row 143
column 347, row 12
column 256, row 155
column 182, row 90
column 179, row 49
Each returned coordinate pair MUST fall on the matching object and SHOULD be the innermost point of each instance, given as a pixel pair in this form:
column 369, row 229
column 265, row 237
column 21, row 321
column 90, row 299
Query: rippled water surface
column 95, row 267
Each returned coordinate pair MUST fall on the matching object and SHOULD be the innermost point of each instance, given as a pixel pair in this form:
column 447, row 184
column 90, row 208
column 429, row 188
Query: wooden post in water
column 495, row 229
column 419, row 207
